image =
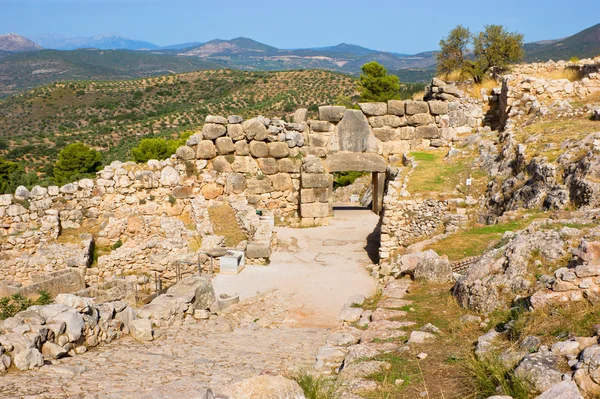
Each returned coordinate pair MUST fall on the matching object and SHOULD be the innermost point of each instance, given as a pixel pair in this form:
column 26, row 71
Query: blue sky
column 399, row 26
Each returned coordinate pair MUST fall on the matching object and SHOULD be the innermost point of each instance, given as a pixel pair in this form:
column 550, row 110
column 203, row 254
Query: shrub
column 157, row 148
column 10, row 306
column 376, row 85
column 76, row 161
column 491, row 377
column 315, row 387
column 117, row 244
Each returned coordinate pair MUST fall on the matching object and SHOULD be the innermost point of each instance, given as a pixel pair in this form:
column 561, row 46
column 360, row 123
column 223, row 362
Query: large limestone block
column 562, row 390
column 169, row 176
column 314, row 210
column 387, row 120
column 352, row 161
column 235, row 132
column 320, row 126
column 300, row 115
column 29, row 359
column 288, row 165
column 395, row 147
column 236, row 183
column 141, row 330
column 320, row 180
column 331, row 113
column 310, row 195
column 259, row 149
column 420, row 119
column 199, row 289
column 234, row 119
column 255, row 129
column 396, row 107
column 259, row 186
column 215, row 119
column 427, row 132
column 221, row 164
column 438, row 107
column 267, row 165
column 416, row 107
column 278, row 150
column 206, row 150
column 318, row 140
column 386, row 134
column 211, row 131
column 224, row 145
column 373, row 109
column 211, row 190
column 281, row 182
column 242, row 148
column 244, row 165
column 354, row 131
column 258, row 249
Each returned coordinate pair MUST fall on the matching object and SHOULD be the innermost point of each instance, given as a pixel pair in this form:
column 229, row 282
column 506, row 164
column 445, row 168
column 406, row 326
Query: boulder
column 236, row 183
column 419, row 337
column 330, row 359
column 53, row 351
column 267, row 165
column 420, row 119
column 255, row 129
column 310, row 180
column 540, row 369
column 169, row 176
column 259, row 186
column 354, row 131
column 28, row 359
column 278, row 150
column 314, row 210
column 596, row 114
column 281, row 182
column 438, row 107
column 265, row 387
column 300, row 115
column 211, row 190
column 259, row 149
column 233, row 119
column 198, row 289
column 235, row 132
column 416, row 107
column 242, row 148
column 345, row 161
column 186, row 153
column 373, row 109
column 562, row 390
column 224, row 145
column 396, row 107
column 320, row 126
column 433, row 268
column 331, row 113
column 141, row 330
column 258, row 249
column 215, row 119
column 211, row 131
column 206, row 150
column 22, row 193
column 244, row 165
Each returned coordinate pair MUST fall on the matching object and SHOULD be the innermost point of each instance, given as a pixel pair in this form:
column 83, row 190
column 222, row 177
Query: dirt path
column 299, row 297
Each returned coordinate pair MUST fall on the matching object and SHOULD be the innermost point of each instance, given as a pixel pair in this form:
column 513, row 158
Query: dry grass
column 570, row 74
column 436, row 174
column 545, row 138
column 444, row 374
column 225, row 224
column 475, row 240
column 474, row 90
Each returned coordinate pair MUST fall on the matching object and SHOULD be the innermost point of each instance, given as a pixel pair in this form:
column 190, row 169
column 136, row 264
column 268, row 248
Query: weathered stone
column 53, row 351
column 221, row 164
column 244, row 165
column 373, row 109
column 185, row 153
column 29, row 359
column 141, row 330
column 258, row 249
column 278, row 150
column 420, row 119
column 434, row 268
column 387, row 121
column 354, row 131
column 211, row 131
column 255, row 129
column 427, row 132
column 416, row 107
column 288, row 165
column 215, row 119
column 320, row 126
column 310, row 195
column 281, row 182
column 259, row 186
column 224, row 145
column 300, row 115
column 233, row 119
column 242, row 148
column 562, row 390
column 314, row 210
column 183, row 192
column 68, row 188
column 236, row 183
column 319, row 140
column 199, row 289
column 22, row 193
column 438, row 107
column 331, row 113
column 267, row 165
column 211, row 190
column 169, row 176
column 309, row 180
column 396, row 107
column 386, row 134
column 345, row 161
column 540, row 369
column 235, row 132
column 259, row 149
column 419, row 337
column 206, row 150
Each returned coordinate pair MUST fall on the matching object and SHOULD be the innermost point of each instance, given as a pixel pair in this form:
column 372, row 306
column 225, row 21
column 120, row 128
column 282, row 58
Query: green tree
column 376, row 85
column 493, row 50
column 453, row 50
column 157, row 148
column 7, row 171
column 75, row 161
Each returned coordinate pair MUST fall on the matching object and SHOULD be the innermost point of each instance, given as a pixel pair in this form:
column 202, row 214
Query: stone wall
column 526, row 92
column 143, row 219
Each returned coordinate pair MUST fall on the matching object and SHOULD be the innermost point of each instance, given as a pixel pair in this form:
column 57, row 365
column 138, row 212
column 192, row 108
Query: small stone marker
column 232, row 262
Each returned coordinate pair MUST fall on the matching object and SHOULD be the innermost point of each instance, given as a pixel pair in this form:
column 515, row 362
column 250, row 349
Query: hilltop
column 113, row 116
column 14, row 43
column 582, row 45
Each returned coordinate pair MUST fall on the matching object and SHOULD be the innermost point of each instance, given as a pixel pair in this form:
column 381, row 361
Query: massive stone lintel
column 353, row 161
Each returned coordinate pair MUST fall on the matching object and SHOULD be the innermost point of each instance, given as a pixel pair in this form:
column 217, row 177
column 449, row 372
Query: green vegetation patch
column 225, row 224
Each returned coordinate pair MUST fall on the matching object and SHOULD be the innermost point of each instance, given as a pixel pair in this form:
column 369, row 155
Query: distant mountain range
column 23, row 64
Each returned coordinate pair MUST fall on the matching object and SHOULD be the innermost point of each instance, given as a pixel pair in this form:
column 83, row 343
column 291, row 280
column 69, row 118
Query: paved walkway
column 288, row 309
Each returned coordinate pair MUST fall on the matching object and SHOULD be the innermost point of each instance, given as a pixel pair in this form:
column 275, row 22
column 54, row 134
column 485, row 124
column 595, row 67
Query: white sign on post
column 468, row 182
